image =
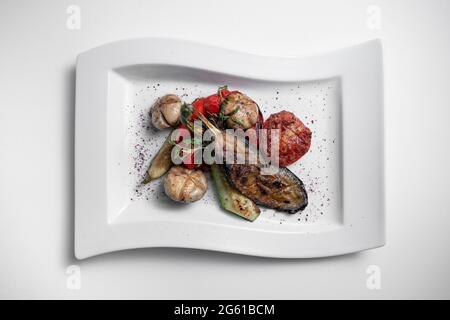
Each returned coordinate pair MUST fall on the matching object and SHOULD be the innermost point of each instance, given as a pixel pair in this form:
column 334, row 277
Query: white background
column 37, row 57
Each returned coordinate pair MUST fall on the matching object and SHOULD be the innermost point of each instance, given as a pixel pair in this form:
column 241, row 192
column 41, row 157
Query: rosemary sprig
column 233, row 112
column 237, row 121
column 224, row 117
column 186, row 113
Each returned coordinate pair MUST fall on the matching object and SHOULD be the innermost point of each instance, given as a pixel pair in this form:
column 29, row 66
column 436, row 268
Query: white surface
column 107, row 220
column 36, row 137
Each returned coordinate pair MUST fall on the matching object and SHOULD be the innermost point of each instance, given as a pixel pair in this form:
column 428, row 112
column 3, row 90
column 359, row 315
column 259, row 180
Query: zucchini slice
column 162, row 161
column 231, row 199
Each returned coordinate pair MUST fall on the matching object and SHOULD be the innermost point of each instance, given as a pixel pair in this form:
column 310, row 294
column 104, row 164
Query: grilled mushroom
column 184, row 185
column 242, row 111
column 165, row 113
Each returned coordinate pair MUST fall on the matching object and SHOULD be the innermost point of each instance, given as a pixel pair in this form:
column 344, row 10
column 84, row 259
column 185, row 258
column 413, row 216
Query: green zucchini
column 231, row 199
column 162, row 162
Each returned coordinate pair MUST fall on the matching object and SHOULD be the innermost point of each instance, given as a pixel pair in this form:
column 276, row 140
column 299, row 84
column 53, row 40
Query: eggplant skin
column 283, row 191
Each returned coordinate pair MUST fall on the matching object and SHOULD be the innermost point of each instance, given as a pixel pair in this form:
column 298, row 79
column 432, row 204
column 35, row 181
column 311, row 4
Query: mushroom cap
column 247, row 111
column 184, row 185
column 165, row 112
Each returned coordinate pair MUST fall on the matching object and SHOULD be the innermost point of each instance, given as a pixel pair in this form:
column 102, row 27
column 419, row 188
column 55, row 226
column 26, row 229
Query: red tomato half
column 295, row 137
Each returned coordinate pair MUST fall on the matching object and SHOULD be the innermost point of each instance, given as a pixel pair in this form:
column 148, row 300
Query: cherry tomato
column 179, row 136
column 212, row 104
column 199, row 107
column 188, row 162
column 205, row 106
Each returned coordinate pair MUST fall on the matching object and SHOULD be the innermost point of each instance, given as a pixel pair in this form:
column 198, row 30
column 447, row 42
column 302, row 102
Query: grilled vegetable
column 184, row 185
column 295, row 137
column 162, row 162
column 242, row 112
column 213, row 102
column 282, row 191
column 165, row 113
column 231, row 199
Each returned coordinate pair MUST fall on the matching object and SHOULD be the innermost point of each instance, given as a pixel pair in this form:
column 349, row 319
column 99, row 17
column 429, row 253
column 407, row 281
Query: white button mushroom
column 184, row 185
column 243, row 112
column 165, row 113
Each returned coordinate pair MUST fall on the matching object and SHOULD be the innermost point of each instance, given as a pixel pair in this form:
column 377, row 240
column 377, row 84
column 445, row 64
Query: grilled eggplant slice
column 282, row 191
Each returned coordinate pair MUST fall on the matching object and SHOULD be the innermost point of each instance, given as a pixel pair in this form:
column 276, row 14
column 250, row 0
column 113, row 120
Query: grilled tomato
column 295, row 137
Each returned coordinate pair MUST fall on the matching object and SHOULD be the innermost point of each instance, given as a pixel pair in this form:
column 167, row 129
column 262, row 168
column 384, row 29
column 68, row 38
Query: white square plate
column 339, row 96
